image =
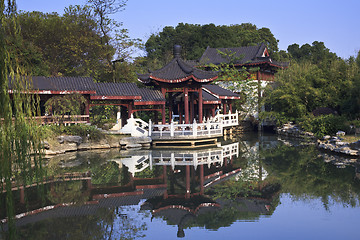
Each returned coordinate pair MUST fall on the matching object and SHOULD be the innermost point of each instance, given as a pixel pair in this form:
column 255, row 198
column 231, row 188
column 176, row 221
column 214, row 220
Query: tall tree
column 81, row 42
column 20, row 162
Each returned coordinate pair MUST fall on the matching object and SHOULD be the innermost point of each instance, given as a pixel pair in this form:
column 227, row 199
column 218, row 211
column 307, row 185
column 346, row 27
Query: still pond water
column 257, row 187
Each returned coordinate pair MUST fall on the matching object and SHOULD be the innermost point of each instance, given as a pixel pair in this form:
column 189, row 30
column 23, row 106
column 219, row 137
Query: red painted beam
column 115, row 97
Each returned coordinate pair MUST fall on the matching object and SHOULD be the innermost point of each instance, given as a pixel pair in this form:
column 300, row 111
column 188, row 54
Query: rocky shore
column 328, row 143
column 67, row 143
column 337, row 145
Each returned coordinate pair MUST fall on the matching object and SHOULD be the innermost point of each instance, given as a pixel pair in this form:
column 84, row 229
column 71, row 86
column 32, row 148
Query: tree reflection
column 104, row 224
column 303, row 173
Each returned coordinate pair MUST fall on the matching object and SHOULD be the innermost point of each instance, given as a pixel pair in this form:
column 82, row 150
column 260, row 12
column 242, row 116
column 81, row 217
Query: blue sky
column 336, row 23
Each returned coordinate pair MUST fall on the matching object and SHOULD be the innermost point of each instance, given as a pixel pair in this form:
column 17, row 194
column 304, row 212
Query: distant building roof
column 178, row 71
column 58, row 85
column 151, row 95
column 209, row 98
column 251, row 55
column 219, row 92
column 116, row 91
column 119, row 91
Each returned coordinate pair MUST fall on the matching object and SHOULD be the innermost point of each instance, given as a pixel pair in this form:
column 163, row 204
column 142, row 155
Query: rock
column 341, row 144
column 326, row 137
column 355, row 145
column 45, row 145
column 135, row 140
column 132, row 146
column 70, row 139
column 103, row 144
column 340, row 133
column 84, row 146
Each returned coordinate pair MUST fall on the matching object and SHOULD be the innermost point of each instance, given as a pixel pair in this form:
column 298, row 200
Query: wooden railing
column 211, row 128
column 137, row 162
column 172, row 130
column 227, row 120
column 67, row 120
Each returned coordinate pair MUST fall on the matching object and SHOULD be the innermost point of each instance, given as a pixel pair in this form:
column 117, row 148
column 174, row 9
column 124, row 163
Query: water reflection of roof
column 175, row 209
column 69, row 210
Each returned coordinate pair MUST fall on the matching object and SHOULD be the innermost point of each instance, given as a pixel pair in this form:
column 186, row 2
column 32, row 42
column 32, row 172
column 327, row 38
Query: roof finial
column 177, row 51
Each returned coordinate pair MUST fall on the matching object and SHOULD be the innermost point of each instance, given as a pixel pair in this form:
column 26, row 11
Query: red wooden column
column 163, row 114
column 213, row 111
column 187, row 195
column 230, row 108
column 180, row 113
column 224, row 107
column 87, row 109
column 130, row 110
column 156, row 119
column 200, row 105
column 186, row 104
column 163, row 91
column 192, row 107
column 22, row 194
column 170, row 106
column 165, row 181
column 89, row 184
column 202, row 179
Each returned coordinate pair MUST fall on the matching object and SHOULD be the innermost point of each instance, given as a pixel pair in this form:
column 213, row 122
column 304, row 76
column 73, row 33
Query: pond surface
column 256, row 187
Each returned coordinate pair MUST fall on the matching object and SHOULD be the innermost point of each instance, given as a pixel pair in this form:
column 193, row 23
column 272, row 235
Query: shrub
column 324, row 124
column 82, row 130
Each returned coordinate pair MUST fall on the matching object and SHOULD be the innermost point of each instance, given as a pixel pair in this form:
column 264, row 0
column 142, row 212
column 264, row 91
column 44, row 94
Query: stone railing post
column 172, row 128
column 194, row 128
column 150, row 127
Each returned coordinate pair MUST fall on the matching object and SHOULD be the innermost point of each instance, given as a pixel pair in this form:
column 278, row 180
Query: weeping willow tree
column 20, row 158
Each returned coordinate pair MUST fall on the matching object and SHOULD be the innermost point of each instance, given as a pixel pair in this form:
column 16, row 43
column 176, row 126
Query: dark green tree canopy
column 195, row 38
column 81, row 42
column 315, row 53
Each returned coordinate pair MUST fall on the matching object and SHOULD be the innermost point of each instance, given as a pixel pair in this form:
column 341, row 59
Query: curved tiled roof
column 220, row 92
column 251, row 55
column 116, row 89
column 178, row 71
column 58, row 84
column 151, row 95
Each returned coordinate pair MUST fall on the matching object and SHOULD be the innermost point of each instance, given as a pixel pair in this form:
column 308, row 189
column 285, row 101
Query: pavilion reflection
column 171, row 184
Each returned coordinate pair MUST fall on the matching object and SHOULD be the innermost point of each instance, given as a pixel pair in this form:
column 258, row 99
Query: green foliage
column 232, row 189
column 304, row 174
column 277, row 117
column 106, row 173
column 20, row 145
column 316, row 53
column 304, row 86
column 238, row 80
column 83, row 130
column 325, row 124
column 195, row 38
column 60, row 106
column 355, row 123
column 101, row 115
column 350, row 104
column 315, row 78
column 81, row 42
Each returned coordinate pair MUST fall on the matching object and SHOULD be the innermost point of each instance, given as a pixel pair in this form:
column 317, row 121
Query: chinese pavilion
column 182, row 85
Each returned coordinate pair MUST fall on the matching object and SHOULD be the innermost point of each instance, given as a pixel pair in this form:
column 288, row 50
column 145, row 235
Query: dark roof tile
column 178, row 71
column 241, row 55
column 220, row 92
column 150, row 95
column 116, row 89
column 71, row 84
